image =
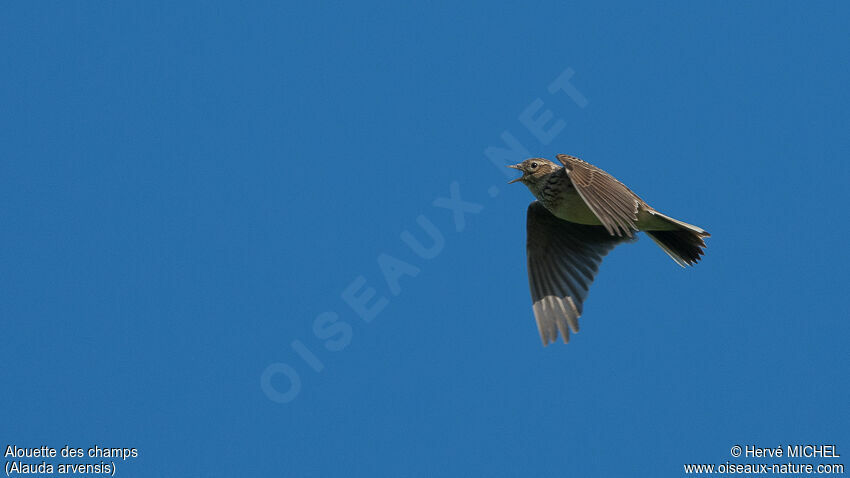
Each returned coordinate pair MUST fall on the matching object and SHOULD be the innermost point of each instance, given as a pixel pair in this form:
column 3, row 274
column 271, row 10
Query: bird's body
column 563, row 200
column 560, row 197
column 580, row 214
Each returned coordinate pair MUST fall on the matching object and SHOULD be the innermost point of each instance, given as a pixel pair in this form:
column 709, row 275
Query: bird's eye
column 534, row 165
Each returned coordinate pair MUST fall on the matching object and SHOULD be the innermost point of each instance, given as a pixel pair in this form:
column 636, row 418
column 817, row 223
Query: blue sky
column 187, row 191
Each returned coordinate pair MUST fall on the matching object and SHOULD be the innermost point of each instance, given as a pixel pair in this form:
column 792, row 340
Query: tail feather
column 683, row 244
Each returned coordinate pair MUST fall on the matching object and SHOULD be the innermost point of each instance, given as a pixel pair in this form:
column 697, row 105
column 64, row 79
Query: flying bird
column 580, row 214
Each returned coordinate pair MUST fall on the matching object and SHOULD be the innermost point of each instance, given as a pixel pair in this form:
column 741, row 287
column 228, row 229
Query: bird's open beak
column 516, row 166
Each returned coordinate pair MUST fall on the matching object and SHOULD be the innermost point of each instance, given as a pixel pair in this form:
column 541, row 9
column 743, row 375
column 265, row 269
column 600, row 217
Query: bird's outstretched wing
column 611, row 201
column 563, row 258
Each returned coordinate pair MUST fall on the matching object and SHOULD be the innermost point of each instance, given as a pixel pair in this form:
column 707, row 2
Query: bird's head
column 533, row 170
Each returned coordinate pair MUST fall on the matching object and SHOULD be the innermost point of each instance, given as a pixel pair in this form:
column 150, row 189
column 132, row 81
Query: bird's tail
column 683, row 242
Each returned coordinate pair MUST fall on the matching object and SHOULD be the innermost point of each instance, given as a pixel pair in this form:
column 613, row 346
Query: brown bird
column 581, row 213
